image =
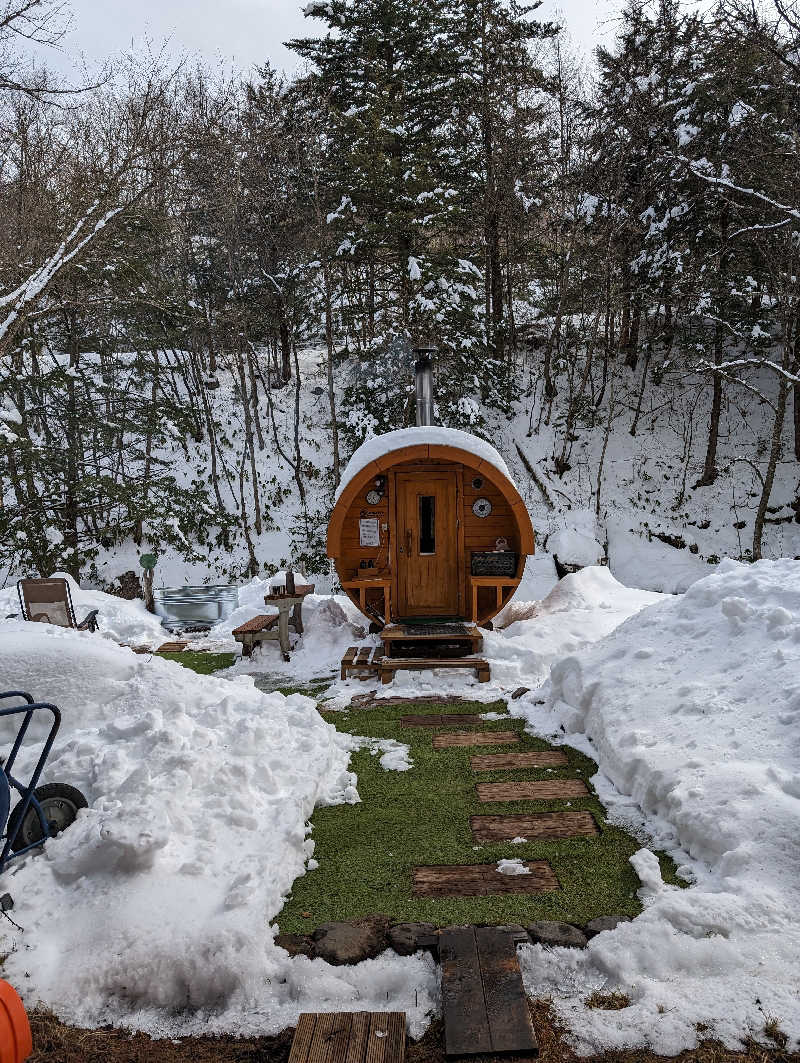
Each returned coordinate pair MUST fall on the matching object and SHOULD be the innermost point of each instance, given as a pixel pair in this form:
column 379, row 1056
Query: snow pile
column 512, row 867
column 153, row 909
column 573, row 547
column 123, row 621
column 379, row 446
column 692, row 711
column 653, row 565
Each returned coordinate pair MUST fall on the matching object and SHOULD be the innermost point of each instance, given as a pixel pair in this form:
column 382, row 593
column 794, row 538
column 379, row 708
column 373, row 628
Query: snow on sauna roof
column 378, row 446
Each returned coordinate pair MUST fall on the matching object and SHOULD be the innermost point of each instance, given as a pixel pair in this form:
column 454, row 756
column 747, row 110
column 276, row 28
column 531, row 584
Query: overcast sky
column 245, row 32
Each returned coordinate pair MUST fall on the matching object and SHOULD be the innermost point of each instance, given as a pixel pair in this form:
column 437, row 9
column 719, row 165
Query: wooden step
column 475, row 738
column 484, row 1006
column 536, row 826
column 482, row 880
column 172, row 647
column 363, row 661
column 550, row 758
column 350, row 1037
column 453, row 719
column 390, row 665
column 548, row 790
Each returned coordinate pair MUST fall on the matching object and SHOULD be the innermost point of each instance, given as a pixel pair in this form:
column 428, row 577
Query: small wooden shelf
column 500, row 584
column 382, row 583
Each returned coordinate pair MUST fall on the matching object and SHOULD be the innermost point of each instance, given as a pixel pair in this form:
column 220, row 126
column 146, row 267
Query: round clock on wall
column 481, row 507
column 373, row 497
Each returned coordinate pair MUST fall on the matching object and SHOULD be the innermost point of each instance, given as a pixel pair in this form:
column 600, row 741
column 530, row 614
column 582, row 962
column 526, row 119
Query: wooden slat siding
column 548, row 790
column 466, row 1024
column 478, row 738
column 515, row 761
column 539, row 825
column 509, row 1019
column 482, row 880
column 302, row 1038
column 454, row 719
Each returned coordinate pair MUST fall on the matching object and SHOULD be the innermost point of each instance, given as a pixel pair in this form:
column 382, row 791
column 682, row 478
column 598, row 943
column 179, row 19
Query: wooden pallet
column 550, row 758
column 540, row 826
column 453, row 719
column 483, row 1000
column 548, row 790
column 482, row 880
column 476, row 738
column 361, row 662
column 350, row 1037
column 390, row 665
column 172, row 647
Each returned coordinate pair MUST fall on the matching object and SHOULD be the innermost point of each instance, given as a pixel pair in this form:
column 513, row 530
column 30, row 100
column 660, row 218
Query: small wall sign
column 369, row 531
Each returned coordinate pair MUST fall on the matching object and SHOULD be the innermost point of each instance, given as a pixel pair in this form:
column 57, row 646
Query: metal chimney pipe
column 423, row 384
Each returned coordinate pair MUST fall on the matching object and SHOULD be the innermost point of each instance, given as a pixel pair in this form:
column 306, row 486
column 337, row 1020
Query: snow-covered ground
column 692, row 711
column 152, row 910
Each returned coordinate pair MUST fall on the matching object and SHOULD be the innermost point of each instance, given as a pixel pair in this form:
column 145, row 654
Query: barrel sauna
column 428, row 525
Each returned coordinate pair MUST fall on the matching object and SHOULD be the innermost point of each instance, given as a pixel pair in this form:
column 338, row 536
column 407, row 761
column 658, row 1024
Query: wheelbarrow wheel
column 60, row 804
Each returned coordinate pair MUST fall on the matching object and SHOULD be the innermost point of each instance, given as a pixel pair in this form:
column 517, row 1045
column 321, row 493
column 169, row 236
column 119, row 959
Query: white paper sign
column 369, row 532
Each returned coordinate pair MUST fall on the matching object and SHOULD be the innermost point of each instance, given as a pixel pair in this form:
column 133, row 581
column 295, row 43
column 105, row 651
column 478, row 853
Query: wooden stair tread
column 349, row 1037
column 550, row 758
column 536, row 825
column 399, row 663
column 483, row 999
column 482, row 880
column 475, row 738
column 547, row 790
column 453, row 719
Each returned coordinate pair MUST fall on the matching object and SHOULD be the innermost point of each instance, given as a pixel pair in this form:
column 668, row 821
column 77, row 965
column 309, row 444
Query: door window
column 427, row 524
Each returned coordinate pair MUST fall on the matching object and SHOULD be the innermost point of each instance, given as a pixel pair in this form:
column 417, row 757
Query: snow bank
column 692, row 711
column 152, row 910
column 378, row 446
column 573, row 547
column 118, row 619
column 654, row 565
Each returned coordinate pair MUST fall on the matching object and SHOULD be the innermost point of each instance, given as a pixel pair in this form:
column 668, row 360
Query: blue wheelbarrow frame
column 7, row 780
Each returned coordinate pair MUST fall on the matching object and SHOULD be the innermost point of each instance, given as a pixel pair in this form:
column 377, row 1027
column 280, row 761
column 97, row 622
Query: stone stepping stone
column 455, row 719
column 539, row 826
column 350, row 1037
column 475, row 738
column 548, row 790
column 484, row 1007
column 482, row 880
column 549, row 758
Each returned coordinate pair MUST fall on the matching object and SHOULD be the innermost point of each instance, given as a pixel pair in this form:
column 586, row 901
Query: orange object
column 16, row 1043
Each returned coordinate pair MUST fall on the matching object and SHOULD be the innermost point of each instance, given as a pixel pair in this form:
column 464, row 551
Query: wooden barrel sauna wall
column 418, row 530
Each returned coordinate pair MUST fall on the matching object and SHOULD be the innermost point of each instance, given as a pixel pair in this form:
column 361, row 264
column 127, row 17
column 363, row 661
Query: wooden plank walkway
column 453, row 719
column 475, row 738
column 482, row 880
column 539, row 825
column 483, row 999
column 550, row 758
column 350, row 1037
column 548, row 790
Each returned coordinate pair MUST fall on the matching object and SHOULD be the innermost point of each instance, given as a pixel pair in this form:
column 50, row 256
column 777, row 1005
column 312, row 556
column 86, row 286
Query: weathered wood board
column 483, row 999
column 539, row 825
column 482, row 880
column 454, row 719
column 547, row 790
column 349, row 1037
column 476, row 738
column 549, row 758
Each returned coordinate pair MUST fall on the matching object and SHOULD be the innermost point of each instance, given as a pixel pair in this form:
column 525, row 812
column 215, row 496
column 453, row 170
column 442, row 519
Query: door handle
column 408, row 541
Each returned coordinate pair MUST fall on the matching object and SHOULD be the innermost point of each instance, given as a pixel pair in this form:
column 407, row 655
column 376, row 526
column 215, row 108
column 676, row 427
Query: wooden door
column 428, row 574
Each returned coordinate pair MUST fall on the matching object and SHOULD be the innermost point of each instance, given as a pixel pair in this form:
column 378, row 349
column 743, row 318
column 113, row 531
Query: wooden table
column 267, row 628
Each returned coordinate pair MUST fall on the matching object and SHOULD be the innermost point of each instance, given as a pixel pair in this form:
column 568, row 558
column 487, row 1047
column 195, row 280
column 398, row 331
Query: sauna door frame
column 457, row 473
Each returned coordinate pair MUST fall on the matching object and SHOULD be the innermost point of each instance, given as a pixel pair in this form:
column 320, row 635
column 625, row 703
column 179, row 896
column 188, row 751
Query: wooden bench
column 390, row 665
column 362, row 662
column 259, row 629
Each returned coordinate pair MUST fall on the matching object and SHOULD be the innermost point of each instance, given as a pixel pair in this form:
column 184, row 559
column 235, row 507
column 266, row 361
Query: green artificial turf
column 202, row 663
column 367, row 851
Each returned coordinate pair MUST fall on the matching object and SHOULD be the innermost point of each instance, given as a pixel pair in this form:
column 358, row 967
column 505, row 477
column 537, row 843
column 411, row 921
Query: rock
column 563, row 935
column 519, row 692
column 295, row 944
column 342, row 943
column 408, row 938
column 605, row 922
column 517, row 932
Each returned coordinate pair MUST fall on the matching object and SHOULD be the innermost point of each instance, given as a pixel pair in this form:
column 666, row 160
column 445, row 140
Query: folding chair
column 48, row 601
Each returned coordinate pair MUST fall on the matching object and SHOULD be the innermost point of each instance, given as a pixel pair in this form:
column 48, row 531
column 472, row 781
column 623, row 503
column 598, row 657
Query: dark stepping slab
column 475, row 738
column 549, row 758
column 565, row 935
column 456, row 719
column 482, row 880
column 541, row 825
column 548, row 790
column 605, row 922
column 350, row 1037
column 483, row 1000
